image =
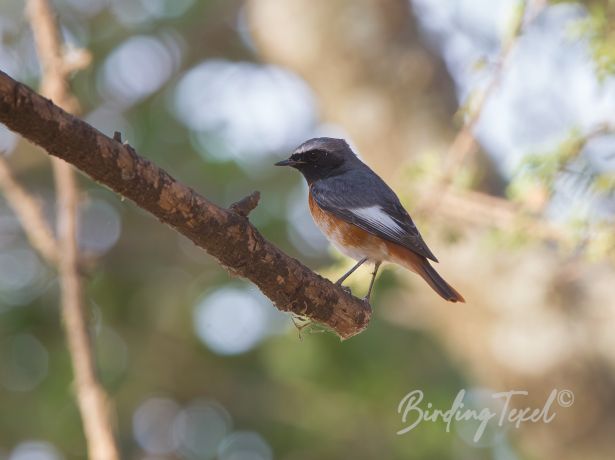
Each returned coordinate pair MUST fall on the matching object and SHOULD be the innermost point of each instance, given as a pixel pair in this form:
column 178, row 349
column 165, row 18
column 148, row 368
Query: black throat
column 313, row 172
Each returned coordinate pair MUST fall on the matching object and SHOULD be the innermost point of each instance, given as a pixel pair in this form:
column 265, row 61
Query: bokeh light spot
column 112, row 353
column 231, row 321
column 87, row 7
column 152, row 425
column 99, row 226
column 481, row 399
column 244, row 445
column 135, row 69
column 22, row 276
column 242, row 110
column 166, row 8
column 35, row 450
column 9, row 227
column 8, row 140
column 200, row 428
column 302, row 230
column 24, row 362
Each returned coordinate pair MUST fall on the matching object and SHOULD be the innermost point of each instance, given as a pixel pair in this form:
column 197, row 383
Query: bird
column 361, row 215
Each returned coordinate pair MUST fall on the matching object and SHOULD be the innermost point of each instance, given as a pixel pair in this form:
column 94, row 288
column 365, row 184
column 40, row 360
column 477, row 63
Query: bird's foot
column 301, row 323
column 346, row 289
column 304, row 323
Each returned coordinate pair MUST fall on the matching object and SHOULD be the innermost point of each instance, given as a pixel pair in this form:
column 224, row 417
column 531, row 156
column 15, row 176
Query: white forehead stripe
column 377, row 217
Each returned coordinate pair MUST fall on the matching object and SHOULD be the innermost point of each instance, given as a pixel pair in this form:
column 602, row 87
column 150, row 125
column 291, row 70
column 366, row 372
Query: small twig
column 481, row 210
column 247, row 204
column 30, row 214
column 465, row 144
column 602, row 129
column 75, row 59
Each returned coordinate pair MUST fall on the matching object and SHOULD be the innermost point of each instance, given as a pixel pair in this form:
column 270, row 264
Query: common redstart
column 360, row 214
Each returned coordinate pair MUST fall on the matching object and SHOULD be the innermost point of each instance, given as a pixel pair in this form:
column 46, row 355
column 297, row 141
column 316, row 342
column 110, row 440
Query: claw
column 301, row 323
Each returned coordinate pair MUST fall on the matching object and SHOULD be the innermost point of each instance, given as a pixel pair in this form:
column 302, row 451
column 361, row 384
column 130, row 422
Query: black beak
column 288, row 162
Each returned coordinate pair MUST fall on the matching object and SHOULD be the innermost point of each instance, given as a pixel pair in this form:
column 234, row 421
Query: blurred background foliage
column 199, row 364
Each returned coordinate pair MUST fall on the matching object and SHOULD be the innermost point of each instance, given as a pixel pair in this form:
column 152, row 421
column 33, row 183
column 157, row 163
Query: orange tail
column 422, row 267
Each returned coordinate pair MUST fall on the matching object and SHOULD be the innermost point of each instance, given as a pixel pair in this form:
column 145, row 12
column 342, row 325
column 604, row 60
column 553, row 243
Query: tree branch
column 465, row 145
column 28, row 211
column 246, row 205
column 94, row 403
column 224, row 234
column 478, row 209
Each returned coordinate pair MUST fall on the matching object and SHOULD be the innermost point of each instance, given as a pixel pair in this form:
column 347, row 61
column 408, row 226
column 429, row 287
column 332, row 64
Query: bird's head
column 321, row 157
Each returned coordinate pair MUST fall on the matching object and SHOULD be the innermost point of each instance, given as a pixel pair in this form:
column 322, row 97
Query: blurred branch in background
column 598, row 28
column 464, row 144
column 545, row 167
column 30, row 214
column 94, row 403
column 486, row 210
column 226, row 235
column 480, row 210
column 476, row 207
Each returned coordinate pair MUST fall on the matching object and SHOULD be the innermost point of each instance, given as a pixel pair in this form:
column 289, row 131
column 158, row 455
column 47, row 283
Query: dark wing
column 361, row 198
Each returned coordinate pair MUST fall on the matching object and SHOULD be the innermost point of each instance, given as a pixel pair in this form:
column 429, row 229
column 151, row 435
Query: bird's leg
column 349, row 272
column 371, row 284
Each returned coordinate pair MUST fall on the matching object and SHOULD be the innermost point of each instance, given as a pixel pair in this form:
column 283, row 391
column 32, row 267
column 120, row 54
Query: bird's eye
column 313, row 155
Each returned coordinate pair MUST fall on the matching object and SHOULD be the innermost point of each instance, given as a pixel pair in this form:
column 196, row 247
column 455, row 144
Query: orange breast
column 348, row 238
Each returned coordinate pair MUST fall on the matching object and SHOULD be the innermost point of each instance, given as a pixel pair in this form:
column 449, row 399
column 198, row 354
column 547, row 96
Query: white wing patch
column 379, row 219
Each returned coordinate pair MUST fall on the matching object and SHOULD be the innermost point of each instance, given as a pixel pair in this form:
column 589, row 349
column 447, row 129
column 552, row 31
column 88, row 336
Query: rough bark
column 226, row 235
